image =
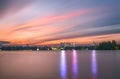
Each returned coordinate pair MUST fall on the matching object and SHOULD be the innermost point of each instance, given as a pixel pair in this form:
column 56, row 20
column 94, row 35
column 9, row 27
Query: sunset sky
column 39, row 22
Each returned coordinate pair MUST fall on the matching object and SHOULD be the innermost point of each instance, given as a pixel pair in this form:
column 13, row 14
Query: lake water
column 60, row 64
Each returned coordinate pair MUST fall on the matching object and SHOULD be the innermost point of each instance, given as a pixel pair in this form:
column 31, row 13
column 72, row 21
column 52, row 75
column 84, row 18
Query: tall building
column 73, row 44
column 68, row 44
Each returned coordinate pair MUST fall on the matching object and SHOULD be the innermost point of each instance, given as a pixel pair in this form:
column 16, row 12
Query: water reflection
column 94, row 65
column 75, row 65
column 60, row 65
column 63, row 69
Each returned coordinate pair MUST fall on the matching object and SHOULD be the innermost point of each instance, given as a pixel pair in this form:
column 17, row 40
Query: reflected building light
column 75, row 65
column 63, row 69
column 94, row 65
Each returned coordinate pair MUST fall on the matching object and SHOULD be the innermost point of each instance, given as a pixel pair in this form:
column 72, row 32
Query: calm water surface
column 60, row 64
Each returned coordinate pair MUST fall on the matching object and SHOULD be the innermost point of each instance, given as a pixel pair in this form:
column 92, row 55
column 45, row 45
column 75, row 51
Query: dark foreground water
column 60, row 64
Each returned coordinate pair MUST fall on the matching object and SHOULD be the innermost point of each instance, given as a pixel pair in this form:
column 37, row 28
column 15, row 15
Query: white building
column 68, row 44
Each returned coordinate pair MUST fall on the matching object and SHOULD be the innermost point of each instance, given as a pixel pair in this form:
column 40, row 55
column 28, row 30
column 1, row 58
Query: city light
column 38, row 49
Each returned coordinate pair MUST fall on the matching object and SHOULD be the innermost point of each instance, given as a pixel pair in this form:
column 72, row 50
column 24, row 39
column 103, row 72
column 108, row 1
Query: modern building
column 68, row 44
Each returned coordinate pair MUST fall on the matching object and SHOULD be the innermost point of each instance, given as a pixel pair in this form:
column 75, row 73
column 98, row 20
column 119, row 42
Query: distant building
column 4, row 43
column 73, row 44
column 68, row 44
column 94, row 43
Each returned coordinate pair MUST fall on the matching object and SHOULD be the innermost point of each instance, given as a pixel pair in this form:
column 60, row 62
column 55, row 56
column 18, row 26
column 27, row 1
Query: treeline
column 106, row 45
column 24, row 48
column 109, row 45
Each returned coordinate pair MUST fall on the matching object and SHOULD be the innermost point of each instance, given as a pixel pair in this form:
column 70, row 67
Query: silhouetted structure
column 4, row 42
column 68, row 44
column 109, row 45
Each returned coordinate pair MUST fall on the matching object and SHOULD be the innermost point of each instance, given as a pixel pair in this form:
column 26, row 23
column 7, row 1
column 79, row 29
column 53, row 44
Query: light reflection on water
column 60, row 64
column 75, row 64
column 63, row 65
column 94, row 65
column 63, row 69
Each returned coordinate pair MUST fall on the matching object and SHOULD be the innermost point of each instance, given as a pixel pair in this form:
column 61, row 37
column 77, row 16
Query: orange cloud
column 85, row 40
column 43, row 24
column 48, row 20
